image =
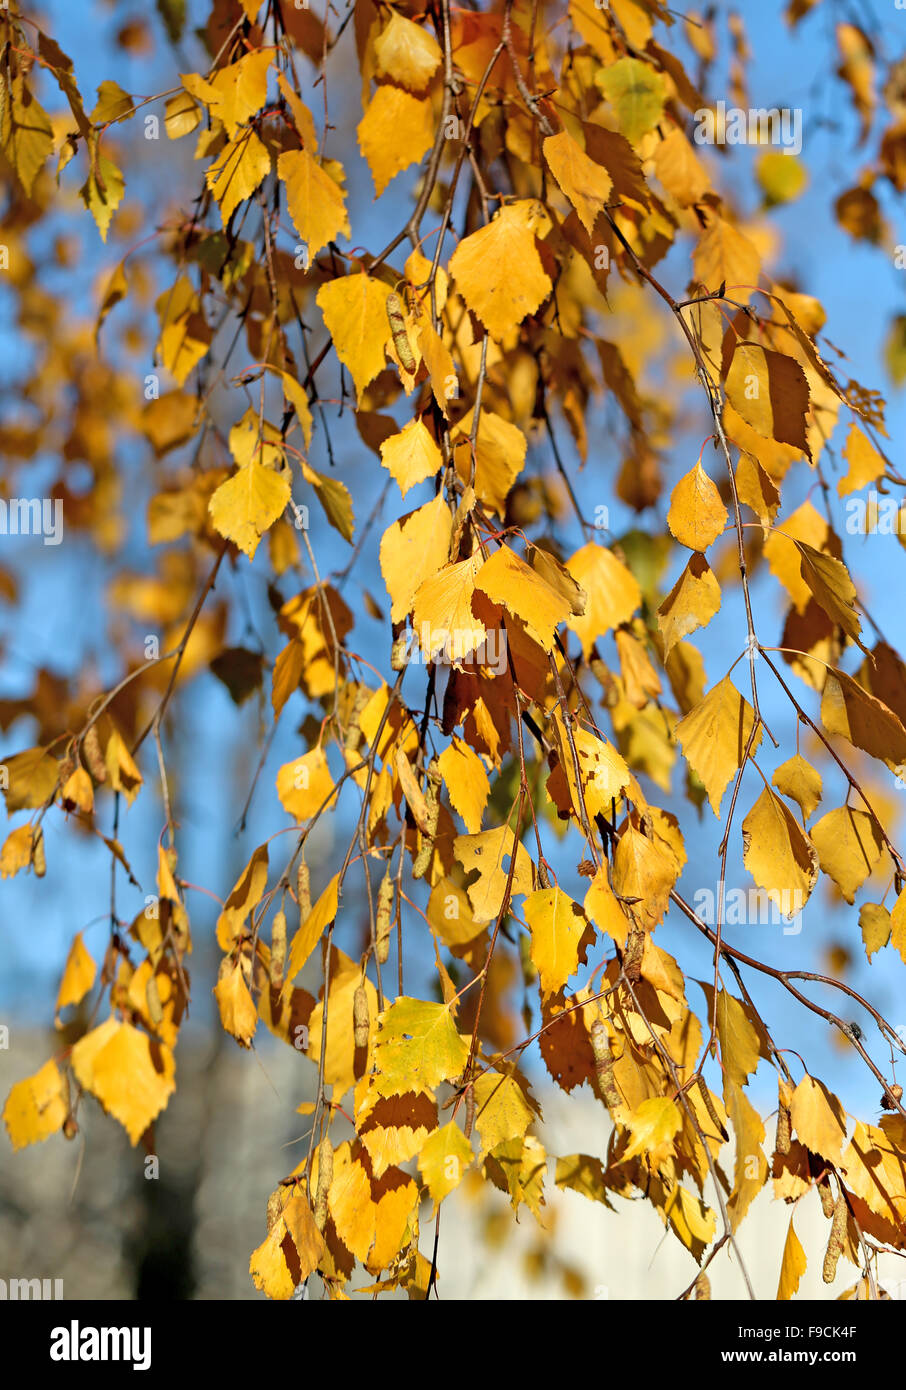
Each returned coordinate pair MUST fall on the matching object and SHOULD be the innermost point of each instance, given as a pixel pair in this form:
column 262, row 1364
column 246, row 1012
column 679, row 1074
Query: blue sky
column 58, row 623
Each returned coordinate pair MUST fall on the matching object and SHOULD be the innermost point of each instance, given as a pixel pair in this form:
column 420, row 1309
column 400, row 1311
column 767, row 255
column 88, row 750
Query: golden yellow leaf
column 586, row 184
column 866, row 465
column 466, row 782
column 828, row 580
column 417, row 1047
column 740, row 1045
column 238, row 1014
column 36, row 1106
column 691, row 603
column 442, row 612
column 557, row 925
column 725, row 256
column 343, row 1063
column 443, row 1160
column 898, row 925
column 268, row 1266
column 849, row 710
column 641, row 869
column 874, row 923
column 604, row 910
column 797, row 779
column 395, row 131
column 499, row 273
column 248, row 503
column 355, row 314
column 130, row 1076
column 309, row 933
column 412, row 455
column 770, row 392
column 848, row 843
column 756, row 488
column 714, row 736
column 237, row 171
column 314, row 199
column 236, row 92
column 485, row 853
column 303, row 785
column 78, row 975
column 749, row 1132
column 778, row 855
column 818, row 1119
column 31, row 778
column 246, row 894
column 499, row 456
column 407, row 53
column 23, row 848
column 509, row 581
column 653, row 1125
column 792, row 1266
column 299, row 1221
column 121, row 769
column 503, row 1109
column 697, row 516
column 412, row 550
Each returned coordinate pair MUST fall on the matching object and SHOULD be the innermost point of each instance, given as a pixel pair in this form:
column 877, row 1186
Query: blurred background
column 85, row 1211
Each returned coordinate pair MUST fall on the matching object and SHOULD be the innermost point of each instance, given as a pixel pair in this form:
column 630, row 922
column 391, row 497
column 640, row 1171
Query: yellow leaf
column 302, row 117
column 557, row 925
column 442, row 612
column 848, row 843
column 407, row 53
column 585, row 183
column 236, row 92
column 268, row 1266
column 503, row 1109
column 413, row 549
column 770, row 392
column 697, row 516
column 756, row 488
column 642, row 870
column 247, row 893
column 130, row 1076
column 865, row 463
column 314, row 200
column 653, row 1125
column 310, row 930
column 724, row 256
column 304, row 784
column 740, row 1045
column 412, row 455
column 299, row 1221
column 792, row 1266
column 874, row 923
column 749, row 1132
column 604, row 909
column 499, row 273
column 828, row 580
column 417, row 1047
column 238, row 1014
column 498, row 459
column 355, row 314
column 77, row 793
column 898, row 925
column 466, row 782
column 23, row 848
column 27, row 133
column 485, row 854
column 237, row 171
column 246, row 505
column 691, row 603
column 443, row 1160
column 849, row 710
column 344, row 1064
column 350, row 1201
column 510, row 582
column 778, row 855
column 395, row 131
column 102, row 192
column 637, row 93
column 78, row 975
column 785, row 559
column 797, row 778
column 818, row 1119
column 36, row 1107
column 121, row 769
column 714, row 736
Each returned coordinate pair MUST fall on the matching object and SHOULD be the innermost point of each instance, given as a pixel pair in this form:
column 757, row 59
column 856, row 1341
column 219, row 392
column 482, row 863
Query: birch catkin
column 360, row 1017
column 303, row 889
column 278, row 949
column 432, row 801
column 632, row 956
column 396, row 317
column 835, row 1242
column 784, row 1130
column 382, row 929
column 325, row 1178
column 92, row 756
column 600, row 1046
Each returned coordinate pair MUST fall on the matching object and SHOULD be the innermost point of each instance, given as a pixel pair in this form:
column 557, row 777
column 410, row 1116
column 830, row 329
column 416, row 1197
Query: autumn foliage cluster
column 555, row 223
